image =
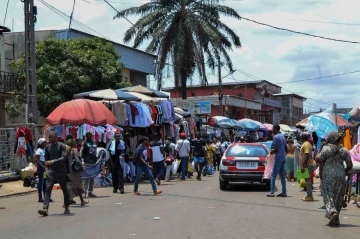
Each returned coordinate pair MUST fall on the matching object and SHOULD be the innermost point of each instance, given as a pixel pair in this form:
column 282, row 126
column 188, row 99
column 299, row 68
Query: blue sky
column 266, row 53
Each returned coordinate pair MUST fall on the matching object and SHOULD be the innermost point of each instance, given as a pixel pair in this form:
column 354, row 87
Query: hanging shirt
column 41, row 153
column 119, row 112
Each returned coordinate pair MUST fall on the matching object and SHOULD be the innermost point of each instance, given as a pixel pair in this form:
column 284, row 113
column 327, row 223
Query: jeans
column 40, row 186
column 308, row 182
column 117, row 176
column 89, row 185
column 139, row 171
column 49, row 187
column 158, row 169
column 279, row 168
column 168, row 172
column 184, row 161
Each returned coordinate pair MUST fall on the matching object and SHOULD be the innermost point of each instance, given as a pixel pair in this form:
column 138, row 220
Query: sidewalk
column 14, row 188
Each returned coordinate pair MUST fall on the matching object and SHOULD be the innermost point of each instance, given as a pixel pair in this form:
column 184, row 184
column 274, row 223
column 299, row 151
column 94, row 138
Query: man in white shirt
column 183, row 149
column 158, row 159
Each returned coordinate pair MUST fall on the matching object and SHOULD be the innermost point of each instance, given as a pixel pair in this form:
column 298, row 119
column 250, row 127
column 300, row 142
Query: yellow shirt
column 306, row 148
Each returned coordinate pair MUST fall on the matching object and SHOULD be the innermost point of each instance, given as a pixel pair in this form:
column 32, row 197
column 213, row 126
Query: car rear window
column 246, row 151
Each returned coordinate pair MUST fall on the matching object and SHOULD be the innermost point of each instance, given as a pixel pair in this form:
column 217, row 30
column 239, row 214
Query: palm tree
column 189, row 33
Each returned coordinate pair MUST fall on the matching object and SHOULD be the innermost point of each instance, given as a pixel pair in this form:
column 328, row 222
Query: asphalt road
column 187, row 209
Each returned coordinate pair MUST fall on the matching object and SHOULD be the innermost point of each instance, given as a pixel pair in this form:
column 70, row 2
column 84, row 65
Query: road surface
column 187, row 209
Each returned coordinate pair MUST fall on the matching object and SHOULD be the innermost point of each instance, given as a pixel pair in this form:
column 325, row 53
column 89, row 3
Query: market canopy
column 268, row 126
column 146, row 91
column 323, row 123
column 355, row 112
column 252, row 125
column 107, row 94
column 80, row 111
column 286, row 128
column 340, row 121
column 223, row 122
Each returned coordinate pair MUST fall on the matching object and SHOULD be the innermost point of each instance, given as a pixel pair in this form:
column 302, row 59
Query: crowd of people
column 62, row 163
column 334, row 164
column 155, row 159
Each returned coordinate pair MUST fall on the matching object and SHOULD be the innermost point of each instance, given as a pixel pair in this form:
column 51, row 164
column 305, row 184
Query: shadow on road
column 2, row 208
column 348, row 225
column 246, row 187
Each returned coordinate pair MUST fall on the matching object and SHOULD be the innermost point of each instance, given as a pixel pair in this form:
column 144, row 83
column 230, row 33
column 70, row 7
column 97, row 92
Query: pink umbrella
column 268, row 126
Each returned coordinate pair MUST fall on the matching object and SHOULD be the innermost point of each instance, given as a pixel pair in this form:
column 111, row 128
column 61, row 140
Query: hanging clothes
column 119, row 112
column 347, row 139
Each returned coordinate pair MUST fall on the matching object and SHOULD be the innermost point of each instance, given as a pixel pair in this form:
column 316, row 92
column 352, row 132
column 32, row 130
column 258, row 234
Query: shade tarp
column 80, row 111
column 146, row 91
column 249, row 124
column 107, row 94
column 286, row 128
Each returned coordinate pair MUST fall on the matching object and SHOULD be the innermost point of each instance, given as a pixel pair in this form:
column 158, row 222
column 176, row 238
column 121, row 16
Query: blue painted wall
column 132, row 59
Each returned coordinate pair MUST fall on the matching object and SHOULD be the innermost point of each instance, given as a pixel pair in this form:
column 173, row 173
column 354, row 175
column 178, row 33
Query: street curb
column 18, row 194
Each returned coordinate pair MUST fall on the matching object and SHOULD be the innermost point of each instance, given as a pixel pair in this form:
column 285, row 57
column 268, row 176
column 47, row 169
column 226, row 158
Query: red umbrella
column 81, row 111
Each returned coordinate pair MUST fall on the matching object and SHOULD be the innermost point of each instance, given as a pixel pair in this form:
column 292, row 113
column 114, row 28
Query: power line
column 322, row 77
column 63, row 15
column 16, row 1
column 118, row 12
column 325, row 22
column 6, row 11
column 297, row 32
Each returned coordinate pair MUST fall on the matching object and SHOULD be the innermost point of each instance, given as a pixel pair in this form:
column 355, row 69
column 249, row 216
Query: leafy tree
column 66, row 67
column 189, row 33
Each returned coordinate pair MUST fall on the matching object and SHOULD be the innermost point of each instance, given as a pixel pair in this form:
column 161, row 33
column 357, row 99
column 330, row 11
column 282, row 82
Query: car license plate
column 247, row 165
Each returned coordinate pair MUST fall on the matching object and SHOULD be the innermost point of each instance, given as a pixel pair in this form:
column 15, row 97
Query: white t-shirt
column 156, row 153
column 183, row 146
column 41, row 152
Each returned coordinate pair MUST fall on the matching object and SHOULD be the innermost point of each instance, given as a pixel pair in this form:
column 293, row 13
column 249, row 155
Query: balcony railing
column 10, row 82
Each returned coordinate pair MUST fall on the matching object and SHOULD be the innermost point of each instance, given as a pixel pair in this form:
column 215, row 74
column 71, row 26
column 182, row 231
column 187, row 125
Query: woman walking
column 75, row 188
column 289, row 163
column 332, row 174
column 40, row 161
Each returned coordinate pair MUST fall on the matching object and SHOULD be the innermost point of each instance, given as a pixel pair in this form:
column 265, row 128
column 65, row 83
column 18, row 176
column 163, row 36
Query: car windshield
column 268, row 144
column 246, row 151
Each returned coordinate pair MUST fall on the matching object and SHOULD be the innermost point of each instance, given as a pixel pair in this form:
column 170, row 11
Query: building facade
column 138, row 65
column 251, row 99
column 292, row 108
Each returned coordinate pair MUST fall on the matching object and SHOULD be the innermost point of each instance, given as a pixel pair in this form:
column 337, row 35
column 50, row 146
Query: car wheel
column 268, row 186
column 223, row 185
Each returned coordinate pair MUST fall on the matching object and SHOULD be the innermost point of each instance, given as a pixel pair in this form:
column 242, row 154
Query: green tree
column 66, row 67
column 189, row 33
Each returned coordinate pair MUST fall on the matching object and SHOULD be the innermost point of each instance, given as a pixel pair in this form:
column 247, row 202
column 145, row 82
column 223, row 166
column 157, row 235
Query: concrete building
column 251, row 99
column 138, row 65
column 292, row 108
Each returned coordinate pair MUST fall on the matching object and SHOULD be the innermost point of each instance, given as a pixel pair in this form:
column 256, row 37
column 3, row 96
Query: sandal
column 83, row 203
column 43, row 212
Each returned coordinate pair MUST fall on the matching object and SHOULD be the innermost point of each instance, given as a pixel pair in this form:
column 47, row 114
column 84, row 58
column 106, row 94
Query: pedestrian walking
column 307, row 162
column 279, row 148
column 88, row 154
column 183, row 149
column 169, row 151
column 40, row 161
column 198, row 152
column 157, row 148
column 289, row 165
column 142, row 166
column 217, row 159
column 58, row 167
column 333, row 174
column 117, row 148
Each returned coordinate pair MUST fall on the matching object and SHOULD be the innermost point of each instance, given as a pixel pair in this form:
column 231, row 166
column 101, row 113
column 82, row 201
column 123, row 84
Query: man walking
column 183, row 148
column 279, row 148
column 58, row 167
column 307, row 162
column 117, row 147
column 157, row 148
column 142, row 166
column 88, row 154
column 198, row 148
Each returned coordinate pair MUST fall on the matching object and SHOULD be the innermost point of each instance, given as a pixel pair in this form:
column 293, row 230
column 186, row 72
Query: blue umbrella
column 249, row 124
column 108, row 94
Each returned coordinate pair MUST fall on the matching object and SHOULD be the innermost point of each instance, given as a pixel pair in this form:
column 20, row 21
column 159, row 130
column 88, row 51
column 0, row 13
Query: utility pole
column 220, row 88
column 31, row 108
column 335, row 115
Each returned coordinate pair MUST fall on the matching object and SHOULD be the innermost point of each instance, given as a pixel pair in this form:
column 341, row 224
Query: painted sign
column 202, row 107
